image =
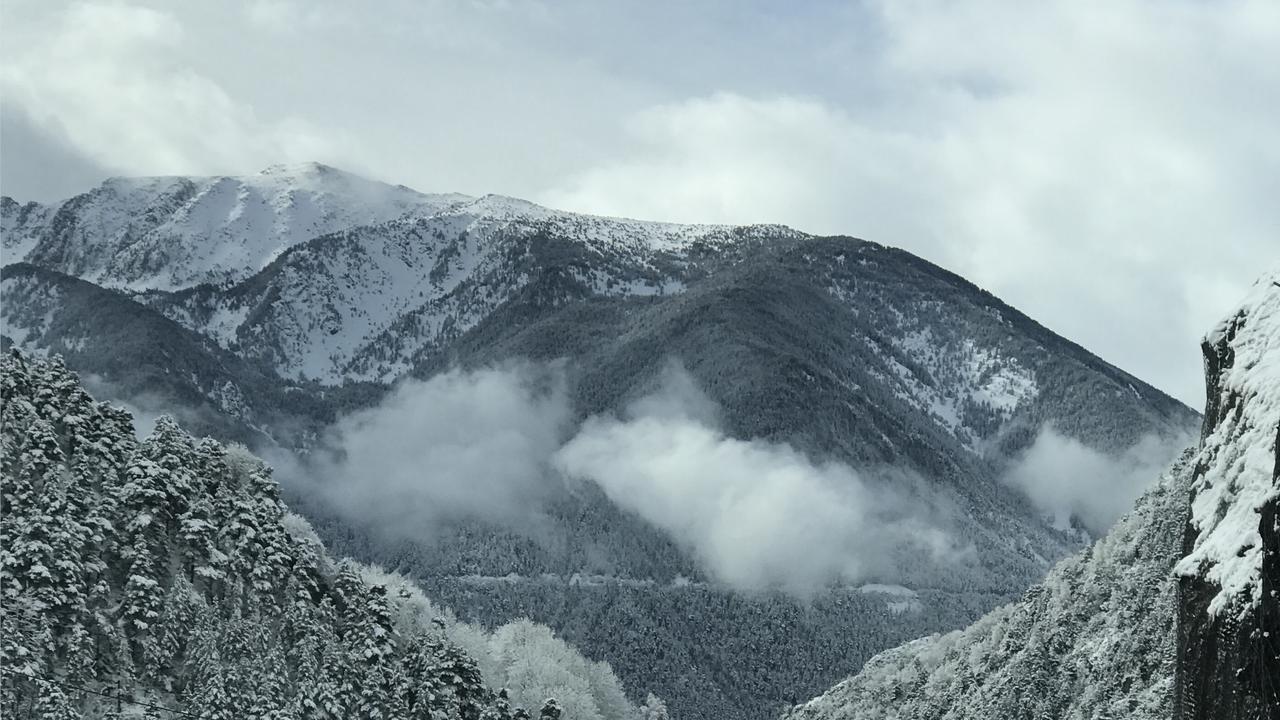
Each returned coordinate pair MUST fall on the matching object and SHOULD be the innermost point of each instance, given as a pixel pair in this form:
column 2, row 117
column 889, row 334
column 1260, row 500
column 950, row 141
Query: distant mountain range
column 266, row 307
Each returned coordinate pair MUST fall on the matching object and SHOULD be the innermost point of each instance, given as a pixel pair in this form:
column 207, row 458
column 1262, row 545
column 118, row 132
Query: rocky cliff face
column 1176, row 612
column 1228, row 663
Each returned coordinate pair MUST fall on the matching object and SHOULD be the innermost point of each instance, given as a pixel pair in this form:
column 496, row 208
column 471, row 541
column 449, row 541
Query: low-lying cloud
column 460, row 445
column 146, row 408
column 490, row 445
column 1070, row 481
column 759, row 515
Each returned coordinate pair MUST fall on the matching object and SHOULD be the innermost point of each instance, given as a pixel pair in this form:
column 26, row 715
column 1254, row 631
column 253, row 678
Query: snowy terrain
column 839, row 349
column 1238, row 456
column 165, row 233
column 166, row 572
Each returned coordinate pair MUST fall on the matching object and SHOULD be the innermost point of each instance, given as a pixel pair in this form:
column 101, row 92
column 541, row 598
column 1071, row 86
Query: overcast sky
column 1111, row 168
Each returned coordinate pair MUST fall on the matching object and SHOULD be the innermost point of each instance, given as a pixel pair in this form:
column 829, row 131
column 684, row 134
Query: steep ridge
column 166, row 574
column 1171, row 614
column 840, row 348
column 1229, row 593
column 142, row 354
column 361, row 303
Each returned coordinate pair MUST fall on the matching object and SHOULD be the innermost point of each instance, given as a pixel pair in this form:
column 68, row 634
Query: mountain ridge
column 843, row 350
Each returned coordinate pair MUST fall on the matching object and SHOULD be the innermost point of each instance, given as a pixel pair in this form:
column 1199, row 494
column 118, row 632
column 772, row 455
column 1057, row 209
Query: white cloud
column 1069, row 481
column 457, row 446
column 758, row 515
column 115, row 77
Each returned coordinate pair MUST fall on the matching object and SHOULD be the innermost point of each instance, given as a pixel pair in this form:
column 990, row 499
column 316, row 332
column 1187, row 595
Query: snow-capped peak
column 167, row 233
column 302, row 168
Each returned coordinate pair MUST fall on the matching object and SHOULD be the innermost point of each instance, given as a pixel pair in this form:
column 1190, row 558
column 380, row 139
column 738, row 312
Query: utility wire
column 117, row 698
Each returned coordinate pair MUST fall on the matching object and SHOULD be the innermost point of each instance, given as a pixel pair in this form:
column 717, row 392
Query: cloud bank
column 457, row 446
column 1069, row 481
column 490, row 446
column 758, row 515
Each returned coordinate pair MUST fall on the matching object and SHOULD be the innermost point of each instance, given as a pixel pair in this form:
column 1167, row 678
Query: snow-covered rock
column 1229, row 594
column 1237, row 460
column 1146, row 623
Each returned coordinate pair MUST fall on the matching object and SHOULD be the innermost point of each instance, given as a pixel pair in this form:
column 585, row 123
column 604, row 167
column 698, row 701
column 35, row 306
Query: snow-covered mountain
column 1173, row 613
column 842, row 349
column 173, row 232
column 362, row 303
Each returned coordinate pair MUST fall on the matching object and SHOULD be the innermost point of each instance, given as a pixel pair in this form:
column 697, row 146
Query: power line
column 117, row 698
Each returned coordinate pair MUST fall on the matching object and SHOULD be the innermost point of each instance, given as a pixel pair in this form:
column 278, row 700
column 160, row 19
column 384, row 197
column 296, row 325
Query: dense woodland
column 166, row 576
column 1095, row 639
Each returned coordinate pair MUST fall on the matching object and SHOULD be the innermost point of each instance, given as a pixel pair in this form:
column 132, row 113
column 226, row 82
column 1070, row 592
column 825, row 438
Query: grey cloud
column 147, row 407
column 1069, row 481
column 39, row 162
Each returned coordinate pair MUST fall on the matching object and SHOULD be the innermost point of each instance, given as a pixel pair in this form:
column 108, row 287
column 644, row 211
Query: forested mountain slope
column 166, row 572
column 1095, row 639
column 1172, row 614
column 842, row 350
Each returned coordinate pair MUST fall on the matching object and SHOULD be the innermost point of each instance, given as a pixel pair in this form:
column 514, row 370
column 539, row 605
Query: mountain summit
column 165, row 233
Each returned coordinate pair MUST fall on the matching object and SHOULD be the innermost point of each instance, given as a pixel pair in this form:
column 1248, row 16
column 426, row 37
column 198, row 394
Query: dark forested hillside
column 1173, row 613
column 1095, row 639
column 166, row 574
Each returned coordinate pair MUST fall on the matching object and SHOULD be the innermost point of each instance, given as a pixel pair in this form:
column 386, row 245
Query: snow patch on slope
column 944, row 378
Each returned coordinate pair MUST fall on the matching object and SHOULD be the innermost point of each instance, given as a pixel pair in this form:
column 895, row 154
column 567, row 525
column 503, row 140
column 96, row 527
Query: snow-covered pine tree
column 163, row 570
column 550, row 710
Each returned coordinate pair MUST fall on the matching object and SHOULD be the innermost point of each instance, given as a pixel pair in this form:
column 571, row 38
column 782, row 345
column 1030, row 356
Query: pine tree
column 500, row 708
column 550, row 710
column 170, row 450
column 426, row 693
column 18, row 493
column 654, row 708
column 52, row 703
column 142, row 607
column 462, row 677
column 166, row 566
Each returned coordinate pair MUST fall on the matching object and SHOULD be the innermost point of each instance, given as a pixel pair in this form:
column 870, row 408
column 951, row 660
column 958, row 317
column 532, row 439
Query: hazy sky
column 1111, row 168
